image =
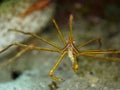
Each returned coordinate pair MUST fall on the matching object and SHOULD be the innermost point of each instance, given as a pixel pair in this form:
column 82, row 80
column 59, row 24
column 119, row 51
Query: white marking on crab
column 70, row 55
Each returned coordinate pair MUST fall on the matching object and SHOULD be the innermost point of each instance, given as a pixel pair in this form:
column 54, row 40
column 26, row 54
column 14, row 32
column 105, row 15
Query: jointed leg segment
column 26, row 48
column 59, row 32
column 14, row 58
column 75, row 64
column 101, row 57
column 90, row 41
column 90, row 53
column 38, row 37
column 55, row 66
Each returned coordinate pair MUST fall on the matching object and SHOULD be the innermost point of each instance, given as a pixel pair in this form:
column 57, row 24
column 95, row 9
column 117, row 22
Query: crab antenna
column 71, row 20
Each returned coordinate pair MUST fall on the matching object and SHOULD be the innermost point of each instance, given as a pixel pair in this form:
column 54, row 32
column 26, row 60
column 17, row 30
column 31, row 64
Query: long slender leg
column 38, row 37
column 59, row 32
column 75, row 64
column 30, row 47
column 99, row 52
column 14, row 58
column 92, row 50
column 26, row 48
column 46, row 49
column 90, row 41
column 6, row 48
column 101, row 57
column 55, row 66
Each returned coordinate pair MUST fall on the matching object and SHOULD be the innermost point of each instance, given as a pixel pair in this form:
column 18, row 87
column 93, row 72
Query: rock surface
column 10, row 19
